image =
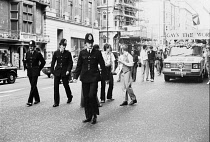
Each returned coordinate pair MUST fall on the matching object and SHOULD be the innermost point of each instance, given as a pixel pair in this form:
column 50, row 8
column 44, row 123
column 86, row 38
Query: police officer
column 61, row 71
column 87, row 69
column 34, row 62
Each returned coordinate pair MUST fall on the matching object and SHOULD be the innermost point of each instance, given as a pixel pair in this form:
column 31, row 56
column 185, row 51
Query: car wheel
column 167, row 78
column 11, row 78
column 201, row 77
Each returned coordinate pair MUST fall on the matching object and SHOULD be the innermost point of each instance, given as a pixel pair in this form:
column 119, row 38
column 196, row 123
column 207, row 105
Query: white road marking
column 10, row 91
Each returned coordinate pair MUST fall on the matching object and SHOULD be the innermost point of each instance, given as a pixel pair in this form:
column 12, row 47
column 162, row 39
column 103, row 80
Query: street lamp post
column 107, row 22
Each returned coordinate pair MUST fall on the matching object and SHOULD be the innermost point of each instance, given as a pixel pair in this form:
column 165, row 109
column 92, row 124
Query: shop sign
column 192, row 34
column 43, row 38
column 27, row 37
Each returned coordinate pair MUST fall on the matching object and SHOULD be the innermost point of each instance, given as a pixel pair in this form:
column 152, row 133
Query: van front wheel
column 167, row 78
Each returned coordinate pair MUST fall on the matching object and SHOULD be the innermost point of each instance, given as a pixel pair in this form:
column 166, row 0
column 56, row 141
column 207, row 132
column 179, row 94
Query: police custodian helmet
column 63, row 42
column 32, row 43
column 89, row 38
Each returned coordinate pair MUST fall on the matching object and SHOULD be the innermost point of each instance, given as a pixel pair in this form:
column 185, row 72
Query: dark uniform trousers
column 109, row 77
column 33, row 63
column 34, row 91
column 64, row 63
column 65, row 81
column 90, row 99
column 87, row 69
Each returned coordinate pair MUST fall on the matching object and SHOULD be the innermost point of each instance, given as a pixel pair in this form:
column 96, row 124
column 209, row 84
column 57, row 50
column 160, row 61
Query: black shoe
column 28, row 104
column 55, row 105
column 133, row 102
column 110, row 99
column 124, row 103
column 36, row 102
column 94, row 120
column 86, row 120
column 69, row 100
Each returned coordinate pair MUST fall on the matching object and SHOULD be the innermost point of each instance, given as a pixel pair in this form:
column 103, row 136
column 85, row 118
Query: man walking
column 127, row 62
column 87, row 69
column 151, row 61
column 144, row 63
column 109, row 60
column 135, row 64
column 34, row 62
column 64, row 63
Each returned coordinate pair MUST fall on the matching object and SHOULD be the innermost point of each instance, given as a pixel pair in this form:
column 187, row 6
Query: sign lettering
column 192, row 34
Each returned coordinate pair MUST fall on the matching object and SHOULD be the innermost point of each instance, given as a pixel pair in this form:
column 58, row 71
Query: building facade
column 71, row 19
column 115, row 16
column 165, row 15
column 21, row 21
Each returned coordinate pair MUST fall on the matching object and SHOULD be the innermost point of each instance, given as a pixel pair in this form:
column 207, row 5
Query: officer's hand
column 51, row 76
column 67, row 73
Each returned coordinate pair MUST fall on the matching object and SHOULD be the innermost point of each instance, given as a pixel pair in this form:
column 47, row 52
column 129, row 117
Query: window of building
column 27, row 18
column 90, row 11
column 70, row 8
column 104, row 16
column 115, row 23
column 14, row 16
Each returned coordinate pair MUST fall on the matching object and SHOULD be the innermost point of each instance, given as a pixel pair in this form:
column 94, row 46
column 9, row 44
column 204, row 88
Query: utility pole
column 92, row 14
column 107, row 22
column 164, row 23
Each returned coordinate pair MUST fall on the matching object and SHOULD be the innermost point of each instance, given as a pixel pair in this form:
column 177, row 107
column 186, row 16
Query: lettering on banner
column 192, row 34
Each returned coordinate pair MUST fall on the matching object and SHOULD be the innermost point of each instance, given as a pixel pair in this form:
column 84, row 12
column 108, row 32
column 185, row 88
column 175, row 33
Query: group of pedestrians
column 93, row 66
column 150, row 60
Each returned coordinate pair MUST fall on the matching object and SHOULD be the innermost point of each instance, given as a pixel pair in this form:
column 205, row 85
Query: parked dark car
column 8, row 73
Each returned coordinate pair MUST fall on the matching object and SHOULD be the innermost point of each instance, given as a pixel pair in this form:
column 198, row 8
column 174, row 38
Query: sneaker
column 147, row 79
column 208, row 82
column 152, row 80
column 102, row 101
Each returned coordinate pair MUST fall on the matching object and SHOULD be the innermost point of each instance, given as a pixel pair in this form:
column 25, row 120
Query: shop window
column 14, row 10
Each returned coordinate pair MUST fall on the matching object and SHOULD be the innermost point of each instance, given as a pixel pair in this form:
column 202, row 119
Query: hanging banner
column 189, row 34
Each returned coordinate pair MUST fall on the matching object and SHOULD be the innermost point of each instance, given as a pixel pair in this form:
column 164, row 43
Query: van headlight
column 195, row 66
column 167, row 65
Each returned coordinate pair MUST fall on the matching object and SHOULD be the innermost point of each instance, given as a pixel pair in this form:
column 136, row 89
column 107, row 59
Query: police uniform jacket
column 34, row 63
column 87, row 66
column 63, row 62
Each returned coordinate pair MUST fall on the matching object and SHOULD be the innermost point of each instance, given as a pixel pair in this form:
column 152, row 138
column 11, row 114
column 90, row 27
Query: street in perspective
column 104, row 70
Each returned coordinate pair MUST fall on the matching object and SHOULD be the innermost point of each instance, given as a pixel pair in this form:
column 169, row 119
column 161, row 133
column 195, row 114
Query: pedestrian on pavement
column 207, row 62
column 87, row 69
column 119, row 67
column 159, row 60
column 144, row 63
column 62, row 70
column 109, row 60
column 33, row 62
column 135, row 64
column 151, row 60
column 127, row 62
